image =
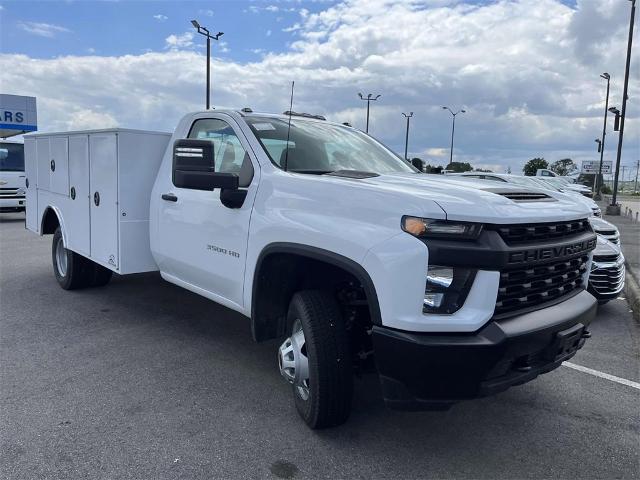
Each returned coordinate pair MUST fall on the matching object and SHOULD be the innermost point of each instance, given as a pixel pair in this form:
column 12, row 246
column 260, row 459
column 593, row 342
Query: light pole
column 453, row 129
column 203, row 31
column 607, row 77
column 615, row 209
column 406, row 138
column 369, row 98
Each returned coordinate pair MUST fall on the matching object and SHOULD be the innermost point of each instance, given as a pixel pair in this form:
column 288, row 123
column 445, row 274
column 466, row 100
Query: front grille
column 8, row 192
column 607, row 280
column 537, row 232
column 526, row 287
column 526, row 196
column 606, row 258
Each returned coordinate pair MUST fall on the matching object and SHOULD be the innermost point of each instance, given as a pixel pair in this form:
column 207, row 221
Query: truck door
column 202, row 242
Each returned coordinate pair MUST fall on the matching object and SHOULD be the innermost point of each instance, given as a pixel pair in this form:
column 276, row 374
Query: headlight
column 446, row 288
column 429, row 228
column 20, row 192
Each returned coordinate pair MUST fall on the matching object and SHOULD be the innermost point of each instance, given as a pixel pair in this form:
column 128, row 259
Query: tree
column 482, row 170
column 532, row 166
column 563, row 167
column 459, row 167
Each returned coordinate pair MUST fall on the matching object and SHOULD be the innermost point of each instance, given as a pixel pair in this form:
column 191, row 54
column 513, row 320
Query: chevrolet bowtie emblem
column 2, row 182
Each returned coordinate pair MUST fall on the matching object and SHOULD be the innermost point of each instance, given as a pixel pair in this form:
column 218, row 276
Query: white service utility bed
column 99, row 184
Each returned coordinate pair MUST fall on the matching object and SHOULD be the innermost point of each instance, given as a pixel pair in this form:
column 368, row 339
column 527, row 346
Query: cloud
column 181, row 41
column 268, row 33
column 206, row 13
column 516, row 66
column 47, row 30
column 161, row 18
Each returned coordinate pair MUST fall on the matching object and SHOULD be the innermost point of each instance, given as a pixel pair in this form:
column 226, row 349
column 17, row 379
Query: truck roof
column 99, row 130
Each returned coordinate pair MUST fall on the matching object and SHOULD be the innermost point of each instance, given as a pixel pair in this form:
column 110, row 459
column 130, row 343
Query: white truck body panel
column 109, row 174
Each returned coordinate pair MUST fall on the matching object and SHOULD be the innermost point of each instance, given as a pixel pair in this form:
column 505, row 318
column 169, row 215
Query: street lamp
column 615, row 209
column 453, row 129
column 616, row 122
column 369, row 98
column 406, row 138
column 203, row 31
column 607, row 77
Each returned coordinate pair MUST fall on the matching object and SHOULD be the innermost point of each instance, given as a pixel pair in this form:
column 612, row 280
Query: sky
column 527, row 72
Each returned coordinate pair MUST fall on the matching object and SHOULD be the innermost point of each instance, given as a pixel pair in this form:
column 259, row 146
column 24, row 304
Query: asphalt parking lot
column 142, row 379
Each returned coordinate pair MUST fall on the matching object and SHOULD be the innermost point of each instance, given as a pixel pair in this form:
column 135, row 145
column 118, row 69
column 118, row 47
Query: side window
column 228, row 151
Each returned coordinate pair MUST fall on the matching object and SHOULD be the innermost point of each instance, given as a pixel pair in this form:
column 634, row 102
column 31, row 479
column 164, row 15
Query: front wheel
column 315, row 359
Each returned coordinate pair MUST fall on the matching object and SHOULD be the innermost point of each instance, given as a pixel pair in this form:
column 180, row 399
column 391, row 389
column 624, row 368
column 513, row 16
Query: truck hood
column 480, row 201
column 11, row 180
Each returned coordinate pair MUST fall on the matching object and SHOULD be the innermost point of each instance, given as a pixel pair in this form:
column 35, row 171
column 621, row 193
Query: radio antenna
column 286, row 153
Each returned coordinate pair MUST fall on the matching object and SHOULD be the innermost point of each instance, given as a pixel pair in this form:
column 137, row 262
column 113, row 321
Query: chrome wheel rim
column 293, row 361
column 61, row 258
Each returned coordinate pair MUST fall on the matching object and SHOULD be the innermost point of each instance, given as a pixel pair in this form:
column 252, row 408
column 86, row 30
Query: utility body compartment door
column 78, row 205
column 103, row 182
column 31, row 173
column 59, row 164
column 44, row 164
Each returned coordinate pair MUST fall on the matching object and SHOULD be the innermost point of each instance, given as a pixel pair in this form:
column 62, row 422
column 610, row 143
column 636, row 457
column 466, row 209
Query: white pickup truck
column 329, row 241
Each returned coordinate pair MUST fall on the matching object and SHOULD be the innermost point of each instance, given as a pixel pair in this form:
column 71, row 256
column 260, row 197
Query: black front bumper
column 430, row 370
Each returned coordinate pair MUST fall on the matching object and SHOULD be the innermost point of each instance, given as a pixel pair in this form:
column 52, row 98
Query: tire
column 101, row 275
column 73, row 271
column 330, row 374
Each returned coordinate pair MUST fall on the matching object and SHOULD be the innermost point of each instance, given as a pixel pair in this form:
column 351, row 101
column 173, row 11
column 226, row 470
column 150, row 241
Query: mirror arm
column 233, row 198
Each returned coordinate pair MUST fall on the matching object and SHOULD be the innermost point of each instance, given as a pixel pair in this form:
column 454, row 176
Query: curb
column 632, row 292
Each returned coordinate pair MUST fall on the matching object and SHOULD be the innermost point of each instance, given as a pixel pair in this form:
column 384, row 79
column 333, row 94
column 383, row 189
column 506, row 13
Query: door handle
column 169, row 197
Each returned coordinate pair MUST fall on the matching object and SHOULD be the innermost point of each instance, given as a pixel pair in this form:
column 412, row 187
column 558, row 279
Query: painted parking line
column 596, row 373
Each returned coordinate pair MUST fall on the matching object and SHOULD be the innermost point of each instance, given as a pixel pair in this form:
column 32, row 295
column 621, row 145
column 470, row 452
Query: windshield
column 319, row 147
column 12, row 157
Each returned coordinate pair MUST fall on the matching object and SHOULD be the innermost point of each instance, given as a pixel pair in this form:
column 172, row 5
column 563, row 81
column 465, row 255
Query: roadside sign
column 592, row 166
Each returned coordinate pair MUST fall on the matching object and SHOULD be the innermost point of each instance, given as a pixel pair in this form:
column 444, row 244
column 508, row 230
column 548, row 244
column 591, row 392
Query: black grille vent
column 606, row 258
column 530, row 286
column 537, row 232
column 526, row 196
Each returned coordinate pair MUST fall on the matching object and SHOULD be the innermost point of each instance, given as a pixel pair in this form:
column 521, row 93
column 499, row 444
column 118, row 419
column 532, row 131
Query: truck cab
column 12, row 177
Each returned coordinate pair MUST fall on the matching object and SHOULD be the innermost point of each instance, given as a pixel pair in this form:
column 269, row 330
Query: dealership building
column 18, row 115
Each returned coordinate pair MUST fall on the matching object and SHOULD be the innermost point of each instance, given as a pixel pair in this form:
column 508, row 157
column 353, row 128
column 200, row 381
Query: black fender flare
column 322, row 255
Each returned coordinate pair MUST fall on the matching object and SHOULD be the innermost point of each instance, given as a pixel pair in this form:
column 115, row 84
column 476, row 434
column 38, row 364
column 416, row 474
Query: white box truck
column 12, row 177
column 324, row 238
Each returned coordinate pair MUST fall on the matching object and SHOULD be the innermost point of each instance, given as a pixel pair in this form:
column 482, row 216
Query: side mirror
column 193, row 164
column 418, row 163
